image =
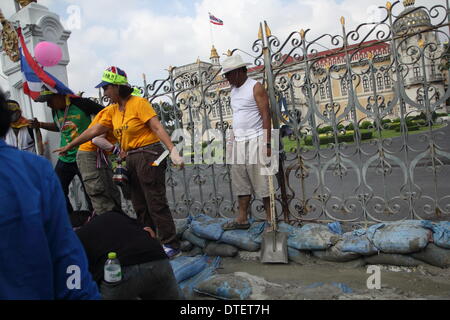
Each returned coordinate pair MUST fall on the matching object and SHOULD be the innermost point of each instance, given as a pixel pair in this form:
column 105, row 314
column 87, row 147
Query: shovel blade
column 274, row 247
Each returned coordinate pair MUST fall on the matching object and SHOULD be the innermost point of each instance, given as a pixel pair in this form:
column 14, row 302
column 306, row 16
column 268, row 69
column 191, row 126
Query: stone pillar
column 38, row 24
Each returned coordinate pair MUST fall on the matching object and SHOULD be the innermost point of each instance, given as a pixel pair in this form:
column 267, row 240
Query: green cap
column 112, row 255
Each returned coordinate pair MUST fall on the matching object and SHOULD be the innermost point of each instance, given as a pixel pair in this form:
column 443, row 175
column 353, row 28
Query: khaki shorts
column 247, row 175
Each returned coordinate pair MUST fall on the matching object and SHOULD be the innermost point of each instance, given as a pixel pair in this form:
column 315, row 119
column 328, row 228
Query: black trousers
column 66, row 172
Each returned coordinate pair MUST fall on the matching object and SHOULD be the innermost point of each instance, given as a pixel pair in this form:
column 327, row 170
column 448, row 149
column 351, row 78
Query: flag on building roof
column 35, row 77
column 215, row 20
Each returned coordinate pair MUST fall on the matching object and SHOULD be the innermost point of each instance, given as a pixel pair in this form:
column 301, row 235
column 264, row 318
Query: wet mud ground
column 293, row 281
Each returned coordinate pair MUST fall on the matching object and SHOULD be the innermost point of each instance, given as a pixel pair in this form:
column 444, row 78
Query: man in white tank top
column 250, row 136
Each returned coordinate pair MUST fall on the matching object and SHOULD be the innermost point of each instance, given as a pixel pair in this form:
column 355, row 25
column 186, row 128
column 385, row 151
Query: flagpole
column 37, row 144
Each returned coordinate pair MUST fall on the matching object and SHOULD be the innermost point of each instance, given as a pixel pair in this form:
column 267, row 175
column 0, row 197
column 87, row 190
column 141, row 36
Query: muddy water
column 291, row 281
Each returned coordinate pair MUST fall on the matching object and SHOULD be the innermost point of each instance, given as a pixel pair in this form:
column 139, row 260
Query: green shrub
column 325, row 129
column 384, row 121
column 410, row 128
column 365, row 125
column 366, row 134
column 420, row 122
column 351, row 126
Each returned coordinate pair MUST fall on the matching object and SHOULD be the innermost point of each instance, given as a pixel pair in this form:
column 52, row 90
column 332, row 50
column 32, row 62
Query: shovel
column 274, row 244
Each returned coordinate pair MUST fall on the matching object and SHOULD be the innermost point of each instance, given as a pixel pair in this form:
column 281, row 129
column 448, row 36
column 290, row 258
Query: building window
column 433, row 69
column 214, row 113
column 387, row 80
column 416, row 72
column 366, row 85
column 380, row 81
column 322, row 91
column 344, row 86
column 420, row 100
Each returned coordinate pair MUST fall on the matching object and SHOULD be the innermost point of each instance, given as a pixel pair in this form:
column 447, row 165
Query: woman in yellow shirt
column 137, row 128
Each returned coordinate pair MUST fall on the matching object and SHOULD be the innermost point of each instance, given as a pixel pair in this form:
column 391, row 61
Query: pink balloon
column 47, row 53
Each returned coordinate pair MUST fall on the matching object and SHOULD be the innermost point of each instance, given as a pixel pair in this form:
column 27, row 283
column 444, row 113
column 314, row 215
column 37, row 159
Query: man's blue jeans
column 148, row 281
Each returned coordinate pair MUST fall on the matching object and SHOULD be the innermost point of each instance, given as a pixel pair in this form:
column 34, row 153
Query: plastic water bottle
column 113, row 271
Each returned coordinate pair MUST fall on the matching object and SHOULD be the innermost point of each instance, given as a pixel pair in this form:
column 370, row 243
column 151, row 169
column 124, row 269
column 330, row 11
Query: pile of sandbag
column 404, row 243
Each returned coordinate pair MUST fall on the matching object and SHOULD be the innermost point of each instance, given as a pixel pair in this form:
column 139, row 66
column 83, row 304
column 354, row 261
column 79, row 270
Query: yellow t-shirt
column 89, row 146
column 130, row 127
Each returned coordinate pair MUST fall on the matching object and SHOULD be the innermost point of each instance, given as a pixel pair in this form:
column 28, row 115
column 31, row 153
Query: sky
column 148, row 36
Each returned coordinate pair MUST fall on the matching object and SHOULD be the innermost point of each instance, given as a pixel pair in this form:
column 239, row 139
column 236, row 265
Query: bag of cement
column 206, row 227
column 393, row 259
column 214, row 249
column 225, row 287
column 358, row 242
column 312, row 237
column 335, row 254
column 434, row 255
column 181, row 225
column 441, row 232
column 241, row 239
column 195, row 251
column 300, row 257
column 187, row 267
column 257, row 230
column 341, row 286
column 192, row 238
column 187, row 286
column 335, row 227
column 399, row 237
column 186, row 246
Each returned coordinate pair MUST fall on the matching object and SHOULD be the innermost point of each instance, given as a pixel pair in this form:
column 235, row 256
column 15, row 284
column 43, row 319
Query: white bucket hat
column 232, row 63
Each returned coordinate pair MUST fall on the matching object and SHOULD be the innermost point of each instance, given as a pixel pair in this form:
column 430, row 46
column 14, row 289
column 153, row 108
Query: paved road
column 358, row 177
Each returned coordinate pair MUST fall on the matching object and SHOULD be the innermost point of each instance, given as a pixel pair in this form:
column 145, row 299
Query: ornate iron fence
column 362, row 140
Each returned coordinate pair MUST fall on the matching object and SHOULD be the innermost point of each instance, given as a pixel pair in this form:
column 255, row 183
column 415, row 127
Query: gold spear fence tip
column 260, row 34
column 229, row 53
column 342, row 20
column 421, row 43
column 302, row 34
column 389, row 6
column 268, row 32
column 370, row 55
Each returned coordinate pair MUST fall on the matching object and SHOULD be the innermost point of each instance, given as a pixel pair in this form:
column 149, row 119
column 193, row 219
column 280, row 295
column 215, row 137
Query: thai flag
column 34, row 76
column 215, row 20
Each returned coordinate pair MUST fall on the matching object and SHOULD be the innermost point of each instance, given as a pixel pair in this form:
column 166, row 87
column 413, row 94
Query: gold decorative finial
column 302, row 34
column 170, row 68
column 389, row 6
column 24, row 3
column 370, row 55
column 198, row 60
column 214, row 53
column 229, row 53
column 260, row 33
column 10, row 39
column 342, row 20
column 408, row 3
column 421, row 43
column 268, row 32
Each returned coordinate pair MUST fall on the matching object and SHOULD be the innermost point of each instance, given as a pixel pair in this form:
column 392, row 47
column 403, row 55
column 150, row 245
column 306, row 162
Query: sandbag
column 335, row 227
column 187, row 286
column 226, row 287
column 341, row 286
column 186, row 246
column 312, row 237
column 300, row 257
column 434, row 255
column 221, row 250
column 241, row 239
column 335, row 254
column 187, row 267
column 181, row 225
column 358, row 242
column 399, row 237
column 192, row 238
column 195, row 251
column 393, row 259
column 206, row 227
column 441, row 232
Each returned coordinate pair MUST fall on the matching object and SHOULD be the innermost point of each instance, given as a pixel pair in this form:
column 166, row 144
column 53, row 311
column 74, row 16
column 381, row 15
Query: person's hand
column 176, row 159
column 34, row 123
column 151, row 232
column 62, row 151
